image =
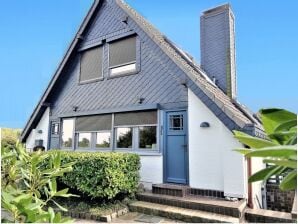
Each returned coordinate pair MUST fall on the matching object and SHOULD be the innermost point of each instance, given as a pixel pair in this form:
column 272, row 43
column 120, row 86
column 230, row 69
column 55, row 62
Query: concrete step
column 213, row 205
column 170, row 189
column 182, row 214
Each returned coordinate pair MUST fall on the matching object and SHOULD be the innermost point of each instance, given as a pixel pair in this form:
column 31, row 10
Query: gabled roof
column 234, row 111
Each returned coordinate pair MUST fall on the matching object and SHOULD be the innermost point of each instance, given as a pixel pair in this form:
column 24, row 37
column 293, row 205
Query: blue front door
column 176, row 147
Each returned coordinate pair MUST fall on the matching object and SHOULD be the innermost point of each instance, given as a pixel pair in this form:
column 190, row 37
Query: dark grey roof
column 182, row 59
column 195, row 73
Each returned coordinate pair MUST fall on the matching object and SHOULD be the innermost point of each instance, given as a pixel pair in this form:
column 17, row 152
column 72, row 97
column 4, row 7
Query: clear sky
column 35, row 34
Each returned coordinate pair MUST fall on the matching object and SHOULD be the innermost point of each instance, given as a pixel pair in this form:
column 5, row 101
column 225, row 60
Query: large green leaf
column 60, row 206
column 282, row 162
column 292, row 141
column 276, row 151
column 288, row 125
column 260, row 175
column 272, row 118
column 282, row 137
column 243, row 151
column 253, row 142
column 289, row 182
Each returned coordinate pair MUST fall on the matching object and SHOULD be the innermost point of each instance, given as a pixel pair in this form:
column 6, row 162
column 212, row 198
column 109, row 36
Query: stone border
column 96, row 217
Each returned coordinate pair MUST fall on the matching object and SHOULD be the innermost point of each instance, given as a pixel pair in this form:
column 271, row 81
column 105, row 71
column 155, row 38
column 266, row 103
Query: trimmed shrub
column 102, row 174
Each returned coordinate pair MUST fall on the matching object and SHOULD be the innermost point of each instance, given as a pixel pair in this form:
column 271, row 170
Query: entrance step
column 182, row 214
column 170, row 189
column 212, row 205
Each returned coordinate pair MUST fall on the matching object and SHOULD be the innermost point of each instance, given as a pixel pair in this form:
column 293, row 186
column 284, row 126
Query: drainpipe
column 250, row 203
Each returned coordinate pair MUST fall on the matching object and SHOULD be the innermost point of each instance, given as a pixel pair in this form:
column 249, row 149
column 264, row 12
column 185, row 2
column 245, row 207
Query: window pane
column 124, row 137
column 103, row 139
column 84, row 140
column 91, row 64
column 122, row 51
column 176, row 122
column 67, row 127
column 147, row 137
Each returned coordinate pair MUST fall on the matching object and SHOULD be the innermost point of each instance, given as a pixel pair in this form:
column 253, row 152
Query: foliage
column 279, row 149
column 27, row 187
column 9, row 137
column 101, row 174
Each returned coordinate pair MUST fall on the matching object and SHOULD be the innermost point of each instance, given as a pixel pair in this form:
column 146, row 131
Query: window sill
column 157, row 153
column 123, row 74
column 91, row 81
column 67, row 149
column 93, row 150
column 139, row 152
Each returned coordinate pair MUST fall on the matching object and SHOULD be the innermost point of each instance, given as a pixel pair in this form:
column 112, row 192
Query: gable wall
column 42, row 126
column 159, row 79
column 212, row 163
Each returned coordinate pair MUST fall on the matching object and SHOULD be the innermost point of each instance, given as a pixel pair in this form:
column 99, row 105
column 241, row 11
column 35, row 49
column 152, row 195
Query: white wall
column 43, row 125
column 151, row 170
column 257, row 164
column 212, row 163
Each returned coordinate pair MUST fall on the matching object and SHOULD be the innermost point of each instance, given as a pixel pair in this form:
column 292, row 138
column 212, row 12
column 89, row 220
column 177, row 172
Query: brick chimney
column 218, row 47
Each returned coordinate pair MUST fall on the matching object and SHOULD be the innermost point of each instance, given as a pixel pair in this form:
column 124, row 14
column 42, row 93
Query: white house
column 123, row 86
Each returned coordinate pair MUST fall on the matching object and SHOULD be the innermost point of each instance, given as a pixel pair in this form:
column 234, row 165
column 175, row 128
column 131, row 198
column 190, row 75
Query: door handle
column 184, row 146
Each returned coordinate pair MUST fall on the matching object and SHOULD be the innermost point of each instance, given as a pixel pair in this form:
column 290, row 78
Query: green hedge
column 102, row 174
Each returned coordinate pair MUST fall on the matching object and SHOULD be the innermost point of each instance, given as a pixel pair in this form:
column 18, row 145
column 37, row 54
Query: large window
column 136, row 130
column 67, row 133
column 91, row 64
column 133, row 131
column 94, row 131
column 122, row 56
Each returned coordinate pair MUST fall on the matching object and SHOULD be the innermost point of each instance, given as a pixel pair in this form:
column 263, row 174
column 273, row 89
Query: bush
column 27, row 187
column 102, row 174
column 9, row 137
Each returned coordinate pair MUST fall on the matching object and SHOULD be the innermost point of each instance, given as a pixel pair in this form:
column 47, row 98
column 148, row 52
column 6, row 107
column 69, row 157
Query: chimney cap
column 217, row 9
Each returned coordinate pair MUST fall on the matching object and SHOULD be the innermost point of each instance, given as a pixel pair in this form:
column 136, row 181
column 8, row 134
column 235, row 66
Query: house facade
column 122, row 86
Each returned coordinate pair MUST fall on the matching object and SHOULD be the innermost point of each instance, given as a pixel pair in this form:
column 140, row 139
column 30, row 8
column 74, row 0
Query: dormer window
column 91, row 65
column 122, row 56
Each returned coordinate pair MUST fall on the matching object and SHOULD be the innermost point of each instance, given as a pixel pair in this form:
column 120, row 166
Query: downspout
column 249, row 189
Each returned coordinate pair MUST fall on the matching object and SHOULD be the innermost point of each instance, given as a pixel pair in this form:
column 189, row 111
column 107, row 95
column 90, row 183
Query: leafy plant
column 101, row 174
column 9, row 137
column 279, row 149
column 27, row 187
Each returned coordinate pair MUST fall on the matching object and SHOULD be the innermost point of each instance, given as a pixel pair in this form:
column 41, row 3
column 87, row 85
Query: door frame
column 165, row 151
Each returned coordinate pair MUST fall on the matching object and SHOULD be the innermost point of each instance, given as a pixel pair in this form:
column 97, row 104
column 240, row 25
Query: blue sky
column 35, row 34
